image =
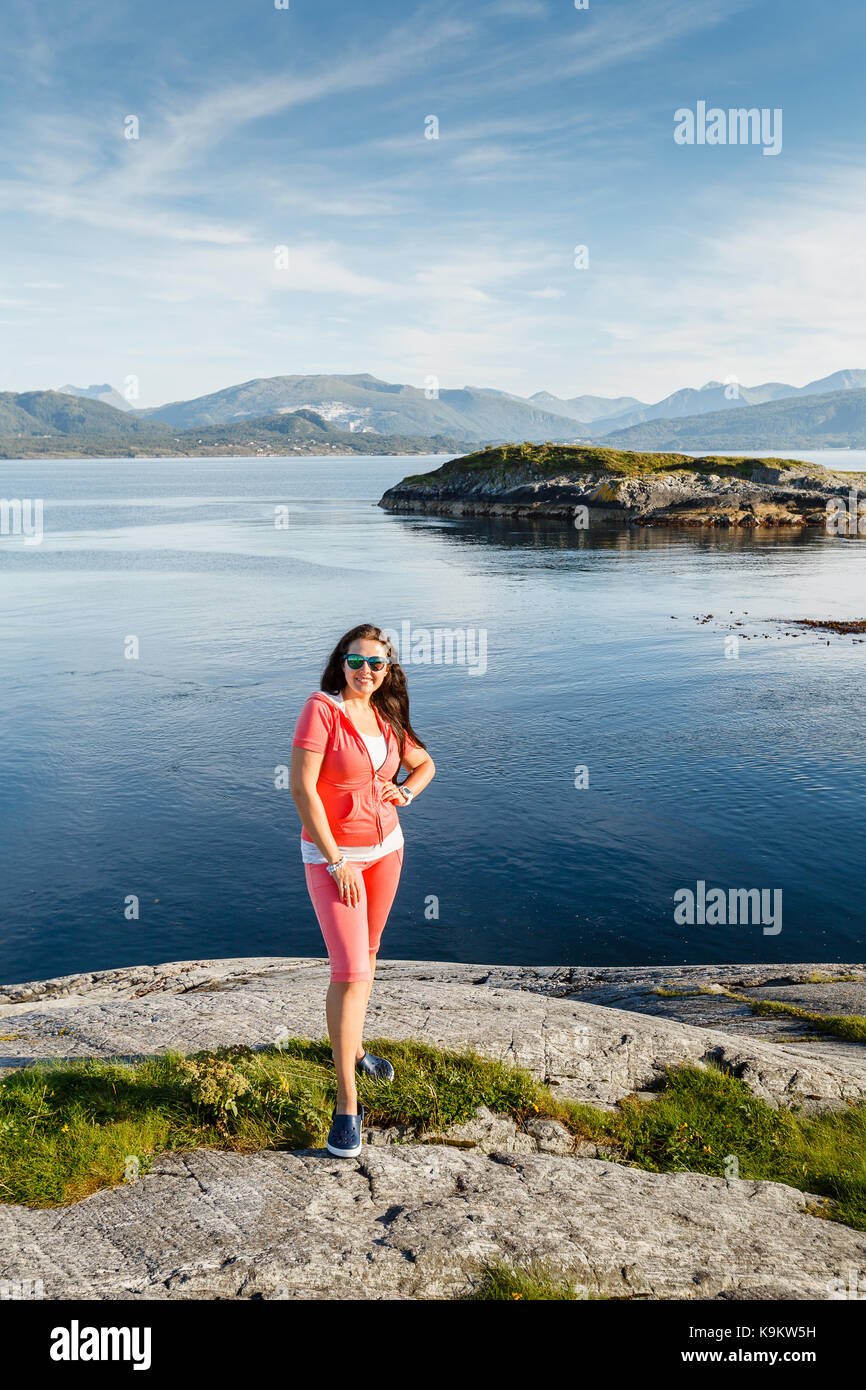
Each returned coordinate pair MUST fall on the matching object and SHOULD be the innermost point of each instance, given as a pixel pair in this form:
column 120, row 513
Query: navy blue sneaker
column 376, row 1067
column 344, row 1137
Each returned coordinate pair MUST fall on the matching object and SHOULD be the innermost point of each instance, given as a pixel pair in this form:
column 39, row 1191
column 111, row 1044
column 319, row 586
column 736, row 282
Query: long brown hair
column 392, row 697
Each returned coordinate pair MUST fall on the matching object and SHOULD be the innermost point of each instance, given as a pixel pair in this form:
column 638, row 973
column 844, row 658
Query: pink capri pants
column 352, row 934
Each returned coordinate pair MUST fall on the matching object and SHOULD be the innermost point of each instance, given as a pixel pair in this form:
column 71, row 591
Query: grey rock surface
column 546, row 1020
column 419, row 1221
column 409, row 1220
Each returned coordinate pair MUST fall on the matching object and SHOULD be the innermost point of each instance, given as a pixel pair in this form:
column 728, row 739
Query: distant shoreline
column 95, row 456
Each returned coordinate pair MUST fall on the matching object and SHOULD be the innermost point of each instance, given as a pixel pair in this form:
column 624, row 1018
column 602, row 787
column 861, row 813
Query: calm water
column 155, row 776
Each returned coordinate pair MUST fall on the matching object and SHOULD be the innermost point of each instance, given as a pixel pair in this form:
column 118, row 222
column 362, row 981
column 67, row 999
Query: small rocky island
column 589, row 486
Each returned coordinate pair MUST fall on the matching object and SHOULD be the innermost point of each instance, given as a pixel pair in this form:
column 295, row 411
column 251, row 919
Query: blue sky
column 409, row 257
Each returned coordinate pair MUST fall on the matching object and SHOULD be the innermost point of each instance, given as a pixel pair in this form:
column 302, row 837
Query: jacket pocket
column 351, row 808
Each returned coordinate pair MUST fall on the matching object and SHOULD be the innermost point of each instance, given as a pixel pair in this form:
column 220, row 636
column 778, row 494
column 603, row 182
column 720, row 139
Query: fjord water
column 155, row 776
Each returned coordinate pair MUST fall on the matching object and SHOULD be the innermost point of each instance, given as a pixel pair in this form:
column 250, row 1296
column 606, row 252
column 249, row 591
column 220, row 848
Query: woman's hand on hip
column 347, row 885
column 391, row 792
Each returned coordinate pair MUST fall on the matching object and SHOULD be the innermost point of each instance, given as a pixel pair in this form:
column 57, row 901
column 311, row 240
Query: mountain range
column 835, row 420
column 363, row 402
column 54, row 424
column 471, row 413
column 720, row 396
column 364, row 414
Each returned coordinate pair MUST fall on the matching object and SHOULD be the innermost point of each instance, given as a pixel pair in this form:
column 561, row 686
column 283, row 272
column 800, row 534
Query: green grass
column 850, row 1027
column 703, row 1117
column 552, row 459
column 673, row 993
column 500, row 1282
column 816, row 978
column 68, row 1129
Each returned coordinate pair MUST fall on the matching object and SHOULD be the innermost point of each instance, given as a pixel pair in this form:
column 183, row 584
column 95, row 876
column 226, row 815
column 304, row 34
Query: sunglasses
column 375, row 663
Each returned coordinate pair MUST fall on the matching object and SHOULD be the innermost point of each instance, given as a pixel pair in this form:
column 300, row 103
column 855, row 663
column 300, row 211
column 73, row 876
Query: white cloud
column 517, row 9
column 70, row 171
column 623, row 32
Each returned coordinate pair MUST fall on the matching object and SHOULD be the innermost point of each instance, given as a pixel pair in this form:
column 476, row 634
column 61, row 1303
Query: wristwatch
column 407, row 794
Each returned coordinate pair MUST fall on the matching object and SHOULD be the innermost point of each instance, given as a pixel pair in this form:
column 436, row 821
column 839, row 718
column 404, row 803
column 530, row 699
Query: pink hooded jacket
column 350, row 788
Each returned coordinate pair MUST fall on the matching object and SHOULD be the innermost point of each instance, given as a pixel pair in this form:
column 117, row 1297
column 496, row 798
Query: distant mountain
column 104, row 393
column 833, row 420
column 585, row 408
column 363, row 402
column 366, row 410
column 55, row 424
column 34, row 414
column 473, row 414
column 716, row 396
column 303, row 432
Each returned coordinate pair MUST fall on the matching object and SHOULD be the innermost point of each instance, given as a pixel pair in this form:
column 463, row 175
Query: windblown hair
column 392, row 697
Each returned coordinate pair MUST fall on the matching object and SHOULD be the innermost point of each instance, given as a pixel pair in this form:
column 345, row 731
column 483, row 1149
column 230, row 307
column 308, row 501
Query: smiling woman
column 350, row 740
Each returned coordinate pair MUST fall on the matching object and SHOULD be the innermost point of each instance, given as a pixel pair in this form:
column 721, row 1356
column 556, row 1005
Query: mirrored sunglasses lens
column 355, row 663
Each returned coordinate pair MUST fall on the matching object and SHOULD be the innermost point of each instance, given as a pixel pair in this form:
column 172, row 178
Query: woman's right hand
column 347, row 885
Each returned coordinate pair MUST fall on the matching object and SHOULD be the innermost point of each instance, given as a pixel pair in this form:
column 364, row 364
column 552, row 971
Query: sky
column 153, row 261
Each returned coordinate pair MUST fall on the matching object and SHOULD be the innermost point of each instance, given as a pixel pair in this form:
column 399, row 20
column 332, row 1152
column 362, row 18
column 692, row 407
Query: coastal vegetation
column 499, row 1282
column 848, row 1027
column 551, row 460
column 70, row 1128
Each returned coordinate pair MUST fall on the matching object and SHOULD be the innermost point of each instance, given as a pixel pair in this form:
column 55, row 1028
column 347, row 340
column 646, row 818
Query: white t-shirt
column 357, row 854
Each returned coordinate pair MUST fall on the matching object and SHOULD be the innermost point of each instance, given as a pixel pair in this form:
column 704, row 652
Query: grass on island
column 553, row 459
column 71, row 1128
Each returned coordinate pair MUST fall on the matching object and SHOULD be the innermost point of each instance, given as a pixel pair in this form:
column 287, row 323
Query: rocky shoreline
column 588, row 487
column 416, row 1220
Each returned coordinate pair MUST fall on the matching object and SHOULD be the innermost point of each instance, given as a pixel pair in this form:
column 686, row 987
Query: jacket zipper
column 385, row 734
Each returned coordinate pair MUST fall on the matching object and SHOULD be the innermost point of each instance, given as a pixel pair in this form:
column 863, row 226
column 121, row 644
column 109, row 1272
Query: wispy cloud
column 517, row 9
column 623, row 33
column 407, row 256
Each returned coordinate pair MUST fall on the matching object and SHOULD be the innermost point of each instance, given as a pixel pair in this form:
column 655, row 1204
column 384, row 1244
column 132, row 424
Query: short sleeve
column 314, row 725
column 409, row 743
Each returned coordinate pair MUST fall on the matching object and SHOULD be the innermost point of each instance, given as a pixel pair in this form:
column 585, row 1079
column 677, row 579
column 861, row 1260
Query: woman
column 351, row 738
